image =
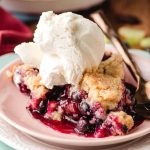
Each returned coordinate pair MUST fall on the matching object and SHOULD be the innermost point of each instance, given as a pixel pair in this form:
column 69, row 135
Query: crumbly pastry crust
column 105, row 85
column 124, row 118
column 32, row 79
column 112, row 66
column 119, row 123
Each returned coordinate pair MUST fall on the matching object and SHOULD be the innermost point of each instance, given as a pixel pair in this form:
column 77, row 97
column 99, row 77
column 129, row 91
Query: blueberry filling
column 23, row 88
column 77, row 115
column 124, row 128
column 73, row 113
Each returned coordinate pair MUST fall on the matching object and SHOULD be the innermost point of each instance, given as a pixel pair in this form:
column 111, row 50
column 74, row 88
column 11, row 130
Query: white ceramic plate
column 38, row 6
column 13, row 110
column 18, row 140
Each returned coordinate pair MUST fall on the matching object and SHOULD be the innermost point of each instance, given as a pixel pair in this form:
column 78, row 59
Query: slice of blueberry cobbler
column 103, row 105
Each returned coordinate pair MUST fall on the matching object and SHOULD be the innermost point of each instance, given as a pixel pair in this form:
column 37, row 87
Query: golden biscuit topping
column 105, row 85
column 124, row 118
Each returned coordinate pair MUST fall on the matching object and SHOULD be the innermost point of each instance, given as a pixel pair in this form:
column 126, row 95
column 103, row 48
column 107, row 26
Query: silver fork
column 142, row 95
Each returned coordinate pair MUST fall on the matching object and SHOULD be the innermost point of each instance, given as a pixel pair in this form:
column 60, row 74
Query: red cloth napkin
column 12, row 32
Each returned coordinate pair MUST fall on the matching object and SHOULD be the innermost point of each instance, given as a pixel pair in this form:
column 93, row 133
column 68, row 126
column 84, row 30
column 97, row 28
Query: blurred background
column 130, row 18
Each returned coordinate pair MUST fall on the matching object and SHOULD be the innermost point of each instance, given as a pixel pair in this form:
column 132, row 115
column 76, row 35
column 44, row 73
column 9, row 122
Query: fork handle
column 108, row 30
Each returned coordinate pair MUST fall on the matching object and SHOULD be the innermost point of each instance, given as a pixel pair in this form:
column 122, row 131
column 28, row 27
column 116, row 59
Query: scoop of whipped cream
column 64, row 47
